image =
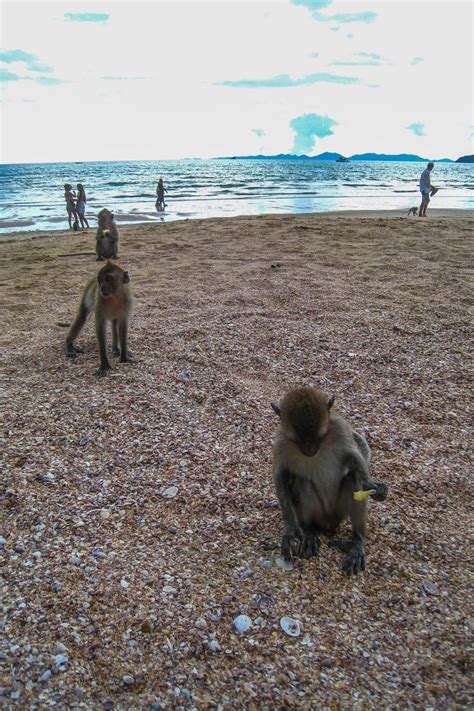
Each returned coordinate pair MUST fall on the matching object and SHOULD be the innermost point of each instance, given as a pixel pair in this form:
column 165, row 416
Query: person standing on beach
column 426, row 189
column 69, row 196
column 160, row 200
column 81, row 205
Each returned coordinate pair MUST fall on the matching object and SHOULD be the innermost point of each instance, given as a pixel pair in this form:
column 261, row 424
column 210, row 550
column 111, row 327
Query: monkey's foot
column 99, row 259
column 116, row 351
column 126, row 359
column 102, row 371
column 72, row 351
column 355, row 555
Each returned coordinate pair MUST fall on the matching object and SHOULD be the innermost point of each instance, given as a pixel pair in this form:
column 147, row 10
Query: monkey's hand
column 102, row 371
column 381, row 491
column 310, row 544
column 291, row 542
column 72, row 350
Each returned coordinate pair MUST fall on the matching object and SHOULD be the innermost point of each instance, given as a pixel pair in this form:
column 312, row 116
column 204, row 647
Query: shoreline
column 438, row 213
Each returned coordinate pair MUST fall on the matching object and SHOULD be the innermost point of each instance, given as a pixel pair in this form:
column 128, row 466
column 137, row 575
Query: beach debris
column 170, row 492
column 284, row 564
column 290, row 626
column 242, row 623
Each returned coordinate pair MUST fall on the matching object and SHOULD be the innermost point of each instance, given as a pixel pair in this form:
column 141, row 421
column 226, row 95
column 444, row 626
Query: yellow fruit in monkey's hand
column 362, row 495
column 105, row 233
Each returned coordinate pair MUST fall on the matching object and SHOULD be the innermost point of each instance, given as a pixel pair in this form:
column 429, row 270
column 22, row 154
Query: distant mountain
column 286, row 156
column 398, row 157
column 360, row 156
column 465, row 159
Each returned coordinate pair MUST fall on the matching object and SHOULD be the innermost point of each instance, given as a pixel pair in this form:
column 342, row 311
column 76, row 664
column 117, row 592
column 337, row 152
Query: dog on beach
column 412, row 211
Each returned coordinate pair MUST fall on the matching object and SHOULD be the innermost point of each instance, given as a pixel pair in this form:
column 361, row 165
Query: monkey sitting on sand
column 412, row 211
column 319, row 463
column 109, row 295
column 106, row 246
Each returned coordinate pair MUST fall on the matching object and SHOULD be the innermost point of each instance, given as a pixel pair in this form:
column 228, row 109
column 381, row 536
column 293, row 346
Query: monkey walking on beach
column 109, row 295
column 107, row 235
column 412, row 211
column 319, row 462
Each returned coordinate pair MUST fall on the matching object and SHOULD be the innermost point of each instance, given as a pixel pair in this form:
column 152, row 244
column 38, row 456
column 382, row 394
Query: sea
column 32, row 195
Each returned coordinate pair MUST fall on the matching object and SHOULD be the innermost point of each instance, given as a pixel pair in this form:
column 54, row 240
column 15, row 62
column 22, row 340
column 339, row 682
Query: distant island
column 339, row 158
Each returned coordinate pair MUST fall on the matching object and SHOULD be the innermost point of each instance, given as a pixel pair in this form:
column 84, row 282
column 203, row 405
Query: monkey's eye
column 108, row 277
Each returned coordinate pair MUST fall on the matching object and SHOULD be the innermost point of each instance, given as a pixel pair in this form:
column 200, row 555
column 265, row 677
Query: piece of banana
column 361, row 495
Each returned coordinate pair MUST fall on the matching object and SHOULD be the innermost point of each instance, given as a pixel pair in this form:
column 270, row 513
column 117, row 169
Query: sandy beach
column 116, row 595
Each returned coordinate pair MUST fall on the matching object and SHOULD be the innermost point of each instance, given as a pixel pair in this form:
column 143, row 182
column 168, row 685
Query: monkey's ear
column 275, row 409
column 330, row 402
column 126, row 278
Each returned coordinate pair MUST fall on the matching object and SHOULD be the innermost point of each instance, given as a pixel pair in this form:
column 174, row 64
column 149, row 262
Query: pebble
column 56, row 586
column 45, row 675
column 128, row 680
column 284, row 564
column 214, row 645
column 49, row 476
column 61, row 648
column 61, row 659
column 104, row 513
column 242, row 623
column 170, row 492
column 266, row 564
column 19, row 548
column 2, row 541
column 290, row 626
column 79, row 693
column 124, row 584
column 430, row 588
column 200, row 623
column 75, row 560
column 37, row 555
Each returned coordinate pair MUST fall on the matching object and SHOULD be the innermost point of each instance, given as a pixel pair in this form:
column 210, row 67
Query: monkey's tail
column 62, row 324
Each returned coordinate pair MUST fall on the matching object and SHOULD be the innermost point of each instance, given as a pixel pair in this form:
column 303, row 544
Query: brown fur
column 109, row 296
column 107, row 236
column 319, row 461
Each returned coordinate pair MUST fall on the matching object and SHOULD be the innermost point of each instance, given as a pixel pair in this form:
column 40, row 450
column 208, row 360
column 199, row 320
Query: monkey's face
column 304, row 415
column 107, row 284
column 105, row 218
column 308, row 435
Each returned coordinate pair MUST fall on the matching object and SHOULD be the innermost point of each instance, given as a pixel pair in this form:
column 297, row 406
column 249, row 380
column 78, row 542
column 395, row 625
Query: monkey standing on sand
column 109, row 295
column 106, row 246
column 319, row 462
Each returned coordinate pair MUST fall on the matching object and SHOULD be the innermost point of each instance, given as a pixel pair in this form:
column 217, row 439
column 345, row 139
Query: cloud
column 417, row 60
column 307, row 127
column 312, row 4
column 344, row 17
column 258, row 132
column 86, row 16
column 30, row 60
column 417, row 128
column 283, row 81
column 5, row 75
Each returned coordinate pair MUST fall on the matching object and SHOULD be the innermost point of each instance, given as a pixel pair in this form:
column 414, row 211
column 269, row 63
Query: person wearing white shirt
column 425, row 189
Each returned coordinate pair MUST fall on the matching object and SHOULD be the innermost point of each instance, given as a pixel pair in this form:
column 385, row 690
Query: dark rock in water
column 465, row 159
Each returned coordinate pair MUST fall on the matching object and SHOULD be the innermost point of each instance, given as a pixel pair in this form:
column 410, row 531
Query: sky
column 131, row 80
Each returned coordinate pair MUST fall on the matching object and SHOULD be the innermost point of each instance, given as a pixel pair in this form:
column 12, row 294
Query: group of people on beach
column 76, row 206
column 76, row 203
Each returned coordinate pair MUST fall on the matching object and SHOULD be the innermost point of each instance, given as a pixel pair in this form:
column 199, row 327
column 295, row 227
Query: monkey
column 109, row 295
column 107, row 235
column 319, row 461
column 412, row 211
